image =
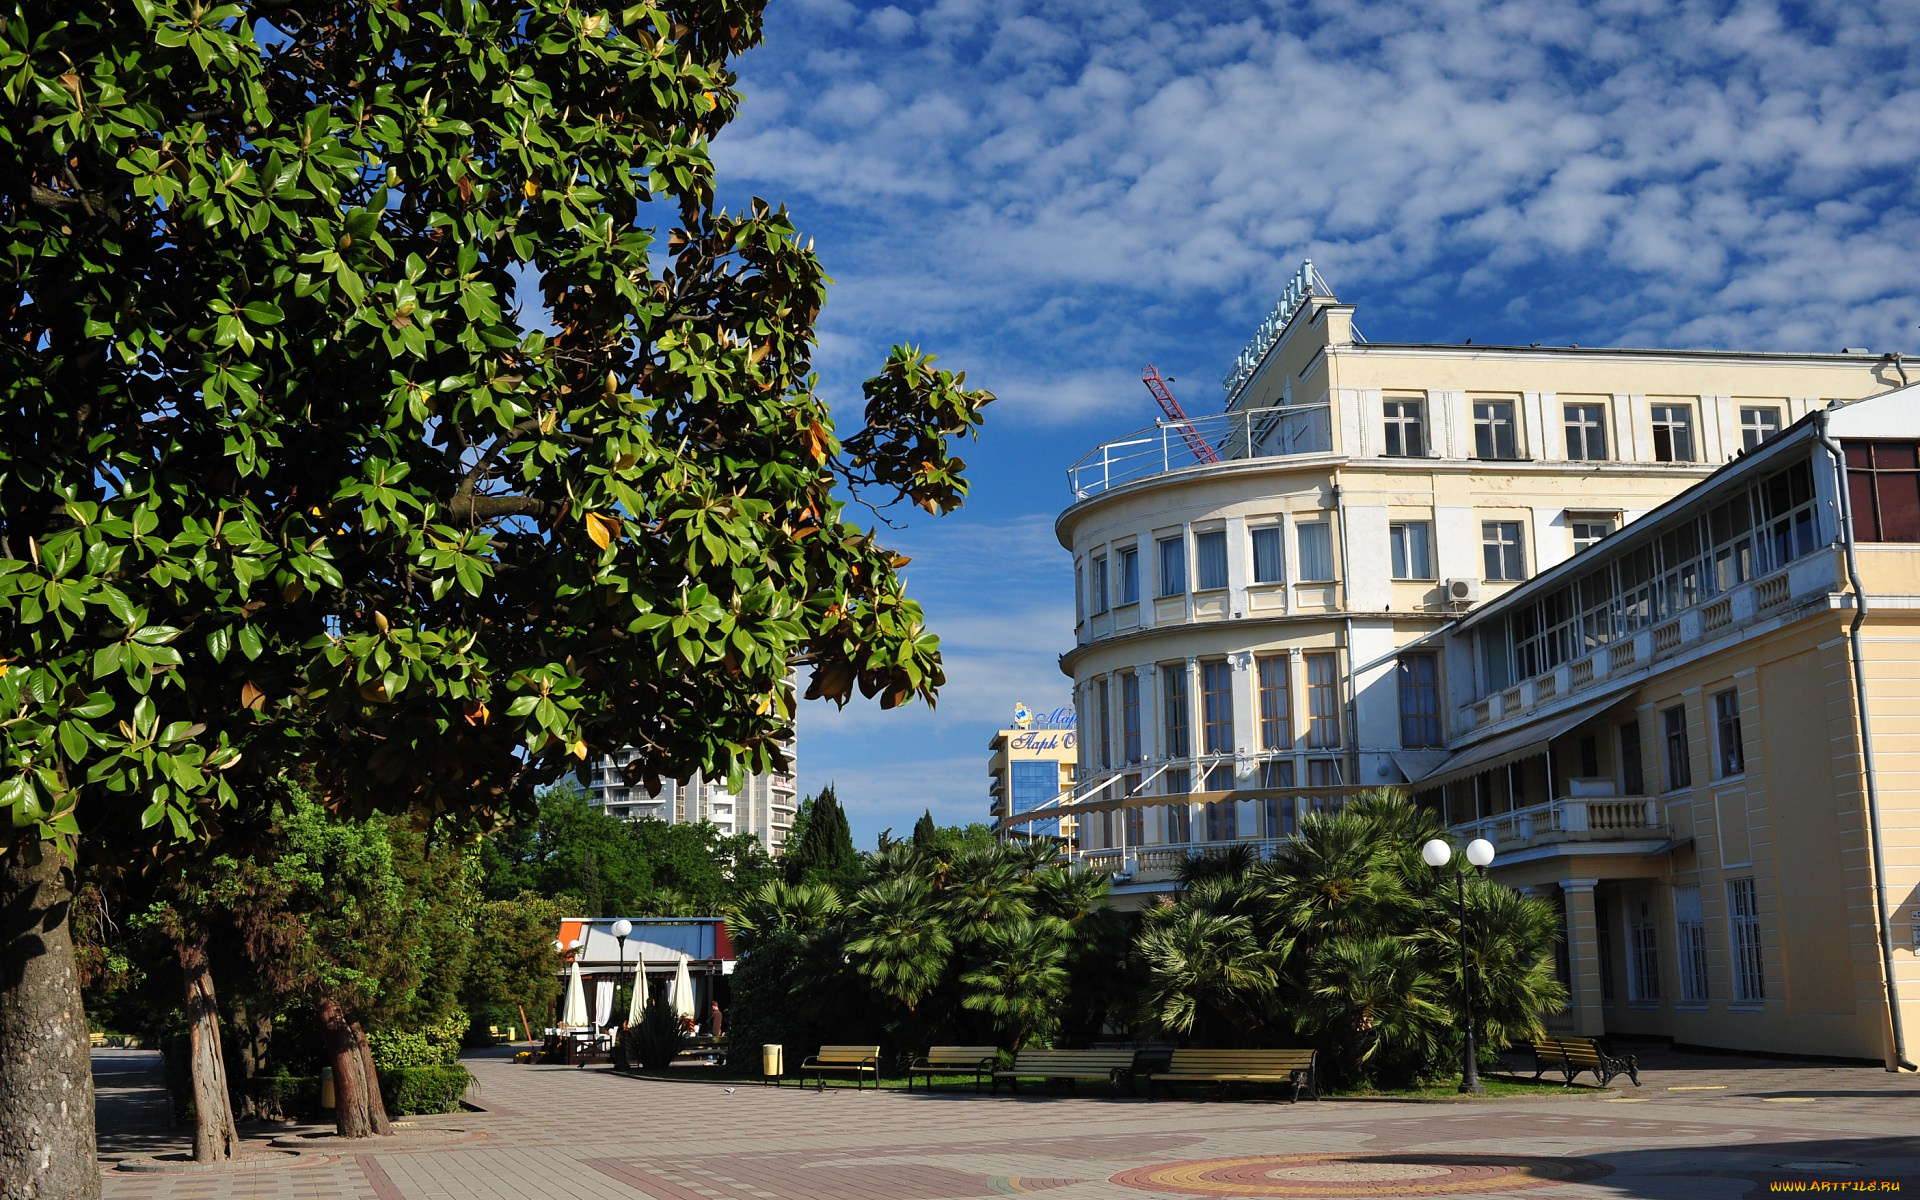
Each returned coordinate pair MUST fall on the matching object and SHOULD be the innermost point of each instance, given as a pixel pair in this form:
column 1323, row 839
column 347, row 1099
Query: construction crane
column 1177, row 416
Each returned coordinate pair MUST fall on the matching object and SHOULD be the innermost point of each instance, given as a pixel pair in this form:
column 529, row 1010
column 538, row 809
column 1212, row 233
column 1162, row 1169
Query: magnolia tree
column 380, row 386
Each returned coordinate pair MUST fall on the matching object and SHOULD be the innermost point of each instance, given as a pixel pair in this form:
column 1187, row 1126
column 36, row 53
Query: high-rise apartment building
column 764, row 806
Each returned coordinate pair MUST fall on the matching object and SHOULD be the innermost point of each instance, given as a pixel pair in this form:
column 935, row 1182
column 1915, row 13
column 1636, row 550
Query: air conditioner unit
column 1463, row 591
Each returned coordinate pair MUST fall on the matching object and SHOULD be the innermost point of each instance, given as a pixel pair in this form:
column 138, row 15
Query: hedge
column 413, row 1090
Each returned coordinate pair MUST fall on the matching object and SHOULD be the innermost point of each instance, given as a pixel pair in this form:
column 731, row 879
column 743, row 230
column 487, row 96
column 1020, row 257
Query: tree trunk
column 215, row 1138
column 357, row 1109
column 46, row 1073
column 254, row 1030
column 376, row 1103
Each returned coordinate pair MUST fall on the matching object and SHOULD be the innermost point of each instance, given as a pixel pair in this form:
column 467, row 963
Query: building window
column 1079, row 592
column 1031, row 786
column 1173, row 566
column 1586, row 432
column 1223, row 821
column 1276, row 773
column 1679, row 768
column 1173, row 694
column 1129, row 581
column 1101, row 694
column 1099, row 582
column 1210, row 559
column 1643, row 956
column 1323, row 700
column 1730, row 756
column 1267, row 566
column 1277, row 819
column 1633, row 779
column 1406, row 428
column 1135, row 823
column 1883, row 484
column 1315, row 540
column 1672, row 433
column 1690, row 943
column 1179, row 820
column 1757, row 425
column 1419, row 700
column 1412, row 545
column 1216, row 707
column 1130, row 716
column 1589, row 529
column 1493, row 432
column 1743, row 927
column 1324, row 773
column 1506, row 558
column 1276, row 721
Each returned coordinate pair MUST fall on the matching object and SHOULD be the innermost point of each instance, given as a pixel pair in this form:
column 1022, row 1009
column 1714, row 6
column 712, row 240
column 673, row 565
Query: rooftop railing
column 1175, row 445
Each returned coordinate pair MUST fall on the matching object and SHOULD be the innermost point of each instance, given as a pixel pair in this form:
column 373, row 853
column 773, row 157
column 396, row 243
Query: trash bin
column 326, row 1087
column 773, row 1062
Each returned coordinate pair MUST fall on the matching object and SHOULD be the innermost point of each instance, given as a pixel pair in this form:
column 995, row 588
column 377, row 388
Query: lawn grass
column 1498, row 1087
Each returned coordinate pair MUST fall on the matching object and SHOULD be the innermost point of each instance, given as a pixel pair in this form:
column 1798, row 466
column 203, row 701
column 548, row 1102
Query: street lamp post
column 1437, row 853
column 621, row 929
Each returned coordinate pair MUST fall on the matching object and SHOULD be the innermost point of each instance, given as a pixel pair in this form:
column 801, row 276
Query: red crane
column 1202, row 452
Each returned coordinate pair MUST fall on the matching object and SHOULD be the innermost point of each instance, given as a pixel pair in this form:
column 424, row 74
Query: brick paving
column 1700, row 1126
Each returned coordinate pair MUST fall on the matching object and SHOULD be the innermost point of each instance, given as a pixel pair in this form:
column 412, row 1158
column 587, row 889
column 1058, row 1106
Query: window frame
column 1323, row 529
column 1176, row 722
column 1097, row 583
column 1129, row 575
column 1757, row 433
column 1273, row 690
column 1586, row 432
column 1209, row 544
column 1666, row 421
column 1130, row 716
column 1495, row 430
column 1216, row 706
column 1690, row 944
column 1420, row 724
column 1102, row 700
column 1399, row 552
column 1170, row 559
column 1323, row 699
column 1397, row 426
column 1745, row 959
column 1504, row 561
column 1275, row 536
column 1678, row 751
column 1729, row 751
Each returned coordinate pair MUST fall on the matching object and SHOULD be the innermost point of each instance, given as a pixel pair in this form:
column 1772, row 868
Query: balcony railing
column 1570, row 819
column 1227, row 437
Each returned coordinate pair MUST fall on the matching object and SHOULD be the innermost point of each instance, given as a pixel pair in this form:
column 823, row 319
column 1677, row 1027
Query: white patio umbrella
column 575, row 1012
column 682, row 990
column 639, row 1002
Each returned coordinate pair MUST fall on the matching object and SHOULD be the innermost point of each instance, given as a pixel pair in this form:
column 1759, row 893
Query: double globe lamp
column 1437, row 853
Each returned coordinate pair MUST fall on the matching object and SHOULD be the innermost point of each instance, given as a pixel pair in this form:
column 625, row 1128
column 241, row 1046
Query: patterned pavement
column 1706, row 1127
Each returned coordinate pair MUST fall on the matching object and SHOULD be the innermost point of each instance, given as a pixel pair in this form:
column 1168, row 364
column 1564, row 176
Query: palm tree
column 1377, row 1005
column 899, row 943
column 1020, row 980
column 985, row 890
column 781, row 907
column 1206, row 972
column 1510, row 941
column 1233, row 862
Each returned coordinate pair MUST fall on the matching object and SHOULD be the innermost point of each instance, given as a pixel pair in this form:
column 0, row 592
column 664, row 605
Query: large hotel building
column 1649, row 620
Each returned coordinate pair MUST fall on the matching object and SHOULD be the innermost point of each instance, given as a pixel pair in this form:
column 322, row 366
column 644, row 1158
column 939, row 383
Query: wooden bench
column 955, row 1060
column 1114, row 1066
column 1293, row 1068
column 858, row 1061
column 1574, row 1055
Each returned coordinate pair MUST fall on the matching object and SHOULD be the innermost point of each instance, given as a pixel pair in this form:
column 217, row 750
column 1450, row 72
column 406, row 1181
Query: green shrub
column 427, row 1046
column 431, row 1089
column 283, row 1097
column 652, row 1044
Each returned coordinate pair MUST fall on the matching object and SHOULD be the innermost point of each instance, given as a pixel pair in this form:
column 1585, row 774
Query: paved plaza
column 1700, row 1127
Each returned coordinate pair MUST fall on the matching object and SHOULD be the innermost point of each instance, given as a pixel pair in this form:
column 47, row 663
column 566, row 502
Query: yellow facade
column 1278, row 668
column 1032, row 770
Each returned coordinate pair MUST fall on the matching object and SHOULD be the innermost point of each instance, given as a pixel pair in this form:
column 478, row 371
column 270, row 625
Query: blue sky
column 1052, row 193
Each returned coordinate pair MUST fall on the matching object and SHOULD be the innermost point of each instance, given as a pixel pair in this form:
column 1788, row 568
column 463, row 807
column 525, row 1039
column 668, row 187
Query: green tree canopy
column 823, row 850
column 289, row 461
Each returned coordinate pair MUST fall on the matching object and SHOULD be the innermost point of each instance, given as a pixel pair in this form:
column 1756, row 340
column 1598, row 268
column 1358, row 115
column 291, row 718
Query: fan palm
column 899, row 943
column 1375, row 1001
column 781, row 907
column 1203, row 969
column 1020, row 980
column 1510, row 940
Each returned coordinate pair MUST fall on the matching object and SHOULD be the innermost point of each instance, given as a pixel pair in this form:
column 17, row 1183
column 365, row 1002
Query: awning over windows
column 1513, row 745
